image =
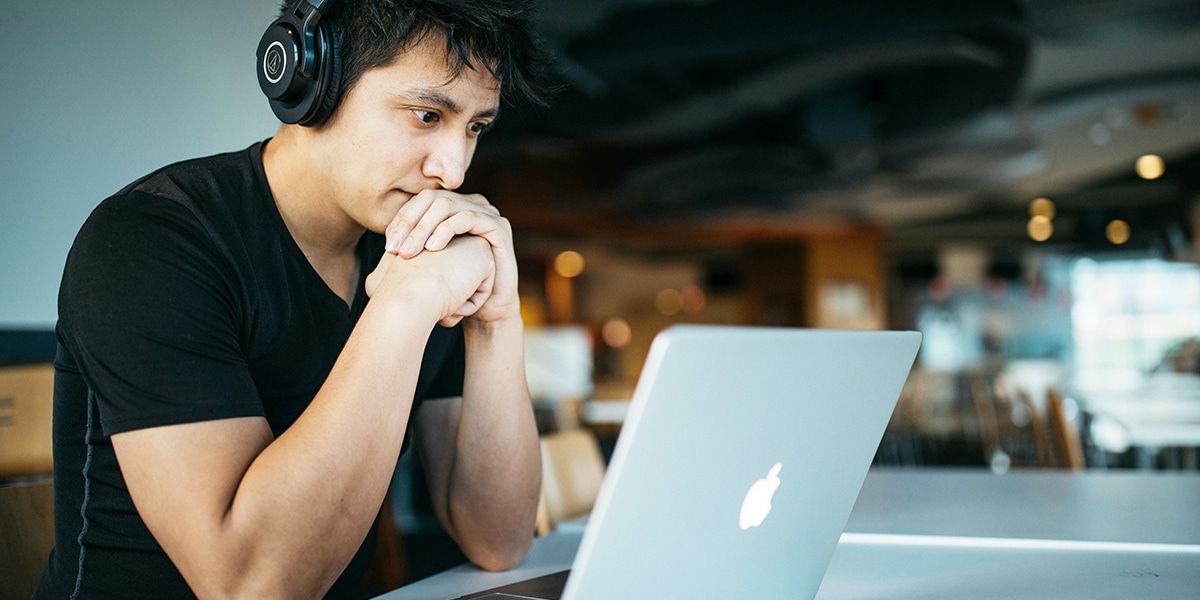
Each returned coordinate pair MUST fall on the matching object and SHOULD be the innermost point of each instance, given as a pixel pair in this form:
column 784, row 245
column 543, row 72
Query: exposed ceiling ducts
column 913, row 115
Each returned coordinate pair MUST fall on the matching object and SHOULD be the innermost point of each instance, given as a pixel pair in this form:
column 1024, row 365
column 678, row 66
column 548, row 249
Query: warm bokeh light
column 616, row 332
column 1040, row 229
column 568, row 264
column 1150, row 166
column 1042, row 207
column 1147, row 114
column 1117, row 231
column 668, row 302
column 693, row 299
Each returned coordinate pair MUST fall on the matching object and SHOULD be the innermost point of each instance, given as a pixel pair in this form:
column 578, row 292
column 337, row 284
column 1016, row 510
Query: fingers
column 431, row 218
column 479, row 298
column 450, row 321
column 457, row 282
column 471, row 306
column 474, row 303
column 456, row 224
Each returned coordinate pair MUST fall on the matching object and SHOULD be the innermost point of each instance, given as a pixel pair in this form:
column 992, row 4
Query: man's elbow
column 500, row 556
column 265, row 586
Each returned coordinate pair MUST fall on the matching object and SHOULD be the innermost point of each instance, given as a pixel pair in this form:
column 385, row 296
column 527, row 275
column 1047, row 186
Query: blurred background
column 1015, row 179
column 1019, row 180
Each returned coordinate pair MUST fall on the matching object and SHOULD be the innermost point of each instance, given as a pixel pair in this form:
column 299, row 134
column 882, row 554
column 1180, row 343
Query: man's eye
column 480, row 128
column 426, row 116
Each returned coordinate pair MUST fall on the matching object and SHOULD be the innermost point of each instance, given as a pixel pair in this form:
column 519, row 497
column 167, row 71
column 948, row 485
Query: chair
column 389, row 567
column 989, row 424
column 901, row 443
column 1041, row 438
column 26, row 485
column 1011, row 428
column 27, row 523
column 26, row 410
column 572, row 470
column 1068, row 447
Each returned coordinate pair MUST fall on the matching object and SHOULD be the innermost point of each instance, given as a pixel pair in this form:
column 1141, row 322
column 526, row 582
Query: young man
column 229, row 407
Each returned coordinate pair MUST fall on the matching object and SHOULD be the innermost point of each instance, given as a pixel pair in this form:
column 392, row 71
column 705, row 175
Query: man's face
column 404, row 128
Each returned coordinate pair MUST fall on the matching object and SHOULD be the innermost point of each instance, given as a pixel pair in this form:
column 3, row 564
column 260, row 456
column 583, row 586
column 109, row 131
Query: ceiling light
column 1040, row 228
column 1150, row 166
column 1147, row 114
column 616, row 332
column 1117, row 231
column 668, row 302
column 568, row 264
column 1041, row 207
column 693, row 299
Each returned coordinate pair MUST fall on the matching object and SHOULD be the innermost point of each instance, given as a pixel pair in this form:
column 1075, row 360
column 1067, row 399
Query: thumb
column 376, row 276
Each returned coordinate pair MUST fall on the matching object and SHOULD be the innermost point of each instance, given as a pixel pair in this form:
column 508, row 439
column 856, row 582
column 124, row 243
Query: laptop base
column 546, row 587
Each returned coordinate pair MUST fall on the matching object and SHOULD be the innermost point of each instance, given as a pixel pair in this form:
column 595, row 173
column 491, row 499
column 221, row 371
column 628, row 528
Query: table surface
column 1163, row 412
column 1101, row 506
column 948, row 533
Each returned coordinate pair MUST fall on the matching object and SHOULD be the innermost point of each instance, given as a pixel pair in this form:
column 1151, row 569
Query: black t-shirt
column 185, row 299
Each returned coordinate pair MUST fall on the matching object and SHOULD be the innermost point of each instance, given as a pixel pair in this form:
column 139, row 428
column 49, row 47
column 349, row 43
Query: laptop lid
column 739, row 461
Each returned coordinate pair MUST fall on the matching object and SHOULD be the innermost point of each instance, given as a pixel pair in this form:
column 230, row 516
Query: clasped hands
column 456, row 248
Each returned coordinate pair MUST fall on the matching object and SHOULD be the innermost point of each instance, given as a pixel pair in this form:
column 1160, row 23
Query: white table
column 1094, row 506
column 1147, row 420
column 933, row 534
column 935, row 572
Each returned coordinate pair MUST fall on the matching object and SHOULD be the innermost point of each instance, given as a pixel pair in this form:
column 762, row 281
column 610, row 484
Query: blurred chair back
column 572, row 470
column 989, row 424
column 26, row 483
column 27, row 526
column 1068, row 447
column 1041, row 438
column 26, row 408
column 1010, row 429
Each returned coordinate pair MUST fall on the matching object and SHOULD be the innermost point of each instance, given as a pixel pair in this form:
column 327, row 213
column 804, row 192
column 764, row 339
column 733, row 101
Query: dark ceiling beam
column 775, row 88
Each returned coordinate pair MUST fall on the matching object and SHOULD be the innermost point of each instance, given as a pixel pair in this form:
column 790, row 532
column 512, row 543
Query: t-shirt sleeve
column 148, row 309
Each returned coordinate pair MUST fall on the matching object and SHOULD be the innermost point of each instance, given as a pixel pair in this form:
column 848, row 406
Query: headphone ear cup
column 330, row 74
column 278, row 58
column 295, row 75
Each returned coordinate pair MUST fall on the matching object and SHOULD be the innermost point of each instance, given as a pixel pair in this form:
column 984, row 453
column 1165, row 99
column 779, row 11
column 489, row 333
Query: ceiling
column 937, row 121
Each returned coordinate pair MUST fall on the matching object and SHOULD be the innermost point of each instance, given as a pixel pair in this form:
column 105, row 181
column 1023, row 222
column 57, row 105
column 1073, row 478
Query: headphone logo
column 274, row 62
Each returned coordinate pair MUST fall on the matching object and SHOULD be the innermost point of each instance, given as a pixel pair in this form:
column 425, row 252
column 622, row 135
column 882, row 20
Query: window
column 1127, row 315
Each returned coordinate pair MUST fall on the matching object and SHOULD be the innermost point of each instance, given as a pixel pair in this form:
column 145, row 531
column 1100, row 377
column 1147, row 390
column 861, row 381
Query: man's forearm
column 313, row 492
column 496, row 477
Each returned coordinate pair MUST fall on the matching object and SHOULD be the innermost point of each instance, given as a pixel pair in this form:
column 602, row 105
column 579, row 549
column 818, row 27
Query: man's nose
column 447, row 161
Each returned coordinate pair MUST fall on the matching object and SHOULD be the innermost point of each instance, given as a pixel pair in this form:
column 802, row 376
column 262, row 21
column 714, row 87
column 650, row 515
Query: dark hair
column 495, row 34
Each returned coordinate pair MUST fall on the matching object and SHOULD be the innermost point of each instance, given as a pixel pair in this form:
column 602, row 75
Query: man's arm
column 244, row 515
column 482, row 455
column 481, row 452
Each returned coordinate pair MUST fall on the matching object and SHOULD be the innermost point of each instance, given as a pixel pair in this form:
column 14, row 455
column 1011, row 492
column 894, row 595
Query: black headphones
column 298, row 67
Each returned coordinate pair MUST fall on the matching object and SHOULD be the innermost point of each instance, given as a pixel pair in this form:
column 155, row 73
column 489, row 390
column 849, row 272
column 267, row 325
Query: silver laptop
column 737, row 465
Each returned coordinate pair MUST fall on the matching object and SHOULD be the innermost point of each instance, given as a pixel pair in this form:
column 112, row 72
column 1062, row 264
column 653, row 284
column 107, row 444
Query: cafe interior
column 1018, row 180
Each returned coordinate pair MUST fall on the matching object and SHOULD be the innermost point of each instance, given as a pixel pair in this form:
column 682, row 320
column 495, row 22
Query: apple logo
column 757, row 503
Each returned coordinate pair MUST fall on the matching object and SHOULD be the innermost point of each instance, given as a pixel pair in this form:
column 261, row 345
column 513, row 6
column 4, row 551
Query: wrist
column 501, row 328
column 403, row 310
